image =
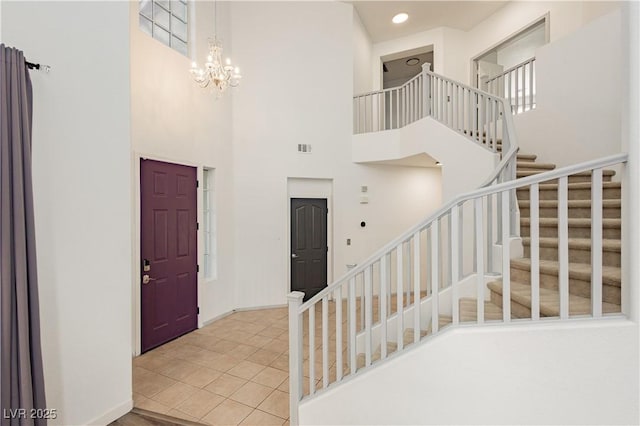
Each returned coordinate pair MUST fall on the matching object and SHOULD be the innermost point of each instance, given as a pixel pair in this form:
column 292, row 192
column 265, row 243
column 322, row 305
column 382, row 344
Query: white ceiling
column 423, row 15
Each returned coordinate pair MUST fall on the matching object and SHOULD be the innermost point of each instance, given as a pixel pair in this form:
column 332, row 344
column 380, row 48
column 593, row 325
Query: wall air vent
column 304, row 148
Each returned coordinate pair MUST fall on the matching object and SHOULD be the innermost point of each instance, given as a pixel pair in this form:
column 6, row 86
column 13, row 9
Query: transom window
column 166, row 21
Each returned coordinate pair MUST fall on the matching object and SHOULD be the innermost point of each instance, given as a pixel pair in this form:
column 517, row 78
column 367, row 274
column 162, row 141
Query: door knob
column 146, row 279
column 294, row 256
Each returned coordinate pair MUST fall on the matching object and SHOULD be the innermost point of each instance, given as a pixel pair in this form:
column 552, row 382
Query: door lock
column 146, row 279
column 294, row 256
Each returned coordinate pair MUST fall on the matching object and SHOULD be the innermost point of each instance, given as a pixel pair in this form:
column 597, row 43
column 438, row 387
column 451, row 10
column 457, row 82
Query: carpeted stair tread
column 530, row 165
column 611, row 275
column 607, row 203
column 608, row 244
column 576, row 222
column 525, row 173
column 526, row 157
column 550, row 300
column 573, row 185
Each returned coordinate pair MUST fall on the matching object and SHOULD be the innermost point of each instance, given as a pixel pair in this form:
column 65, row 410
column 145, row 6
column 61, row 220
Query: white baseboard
column 113, row 414
column 226, row 314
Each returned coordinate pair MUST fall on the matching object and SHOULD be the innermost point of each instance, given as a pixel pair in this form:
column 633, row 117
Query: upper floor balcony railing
column 471, row 112
column 516, row 84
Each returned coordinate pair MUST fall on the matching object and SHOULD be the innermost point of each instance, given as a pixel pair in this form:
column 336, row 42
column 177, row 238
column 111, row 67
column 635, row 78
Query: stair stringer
column 523, row 373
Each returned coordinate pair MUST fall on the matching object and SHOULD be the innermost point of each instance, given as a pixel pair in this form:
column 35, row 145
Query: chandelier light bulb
column 216, row 73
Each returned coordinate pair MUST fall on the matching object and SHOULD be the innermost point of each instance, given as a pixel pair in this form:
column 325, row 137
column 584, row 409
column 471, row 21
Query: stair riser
column 576, row 255
column 530, row 166
column 574, row 212
column 517, row 310
column 574, row 194
column 571, row 179
column 574, row 232
column 610, row 294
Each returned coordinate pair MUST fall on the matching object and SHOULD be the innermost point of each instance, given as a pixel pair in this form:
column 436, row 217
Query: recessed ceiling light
column 412, row 61
column 400, row 18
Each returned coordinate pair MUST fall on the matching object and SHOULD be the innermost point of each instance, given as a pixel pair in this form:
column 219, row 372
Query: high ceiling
column 423, row 15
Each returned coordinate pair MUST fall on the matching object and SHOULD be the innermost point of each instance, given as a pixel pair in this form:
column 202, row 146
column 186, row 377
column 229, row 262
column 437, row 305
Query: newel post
column 295, row 355
column 426, row 88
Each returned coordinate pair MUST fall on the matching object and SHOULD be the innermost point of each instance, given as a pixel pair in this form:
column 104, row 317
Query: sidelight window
column 209, row 229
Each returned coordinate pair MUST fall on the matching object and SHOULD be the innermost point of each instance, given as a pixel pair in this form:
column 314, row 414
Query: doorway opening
column 400, row 67
column 510, row 52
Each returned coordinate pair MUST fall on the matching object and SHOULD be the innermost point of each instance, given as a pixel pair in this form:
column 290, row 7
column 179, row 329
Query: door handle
column 294, row 256
column 146, row 279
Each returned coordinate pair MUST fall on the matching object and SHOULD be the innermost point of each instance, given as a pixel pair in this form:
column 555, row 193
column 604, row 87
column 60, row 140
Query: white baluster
column 399, row 297
column 435, row 263
column 596, row 243
column 563, row 247
column 384, row 267
column 325, row 341
column 455, row 260
column 506, row 259
column 338, row 298
column 534, row 233
column 351, row 300
column 477, row 204
column 510, row 92
column 295, row 354
column 489, row 239
column 312, row 349
column 368, row 316
column 416, row 287
column 362, row 303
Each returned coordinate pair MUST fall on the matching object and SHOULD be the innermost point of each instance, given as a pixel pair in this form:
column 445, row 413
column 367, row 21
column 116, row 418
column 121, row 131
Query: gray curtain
column 21, row 375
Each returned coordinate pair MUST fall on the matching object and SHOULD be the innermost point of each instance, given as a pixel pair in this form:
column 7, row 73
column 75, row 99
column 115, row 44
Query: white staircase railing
column 517, row 84
column 393, row 283
column 471, row 112
column 414, row 286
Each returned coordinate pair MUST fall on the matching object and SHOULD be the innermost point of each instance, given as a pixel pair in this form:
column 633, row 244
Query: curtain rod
column 32, row 66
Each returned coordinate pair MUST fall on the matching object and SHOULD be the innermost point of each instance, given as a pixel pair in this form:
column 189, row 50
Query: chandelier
column 215, row 74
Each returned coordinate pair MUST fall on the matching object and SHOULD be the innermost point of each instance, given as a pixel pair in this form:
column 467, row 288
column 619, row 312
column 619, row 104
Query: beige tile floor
column 234, row 371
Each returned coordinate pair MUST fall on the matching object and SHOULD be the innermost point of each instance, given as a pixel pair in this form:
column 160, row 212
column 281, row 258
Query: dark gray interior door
column 308, row 245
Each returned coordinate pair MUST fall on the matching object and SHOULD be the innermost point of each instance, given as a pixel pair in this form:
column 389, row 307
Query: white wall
column 172, row 119
column 362, row 51
column 578, row 108
column 565, row 18
column 291, row 94
column 575, row 373
column 466, row 165
column 453, row 49
column 82, row 194
column 631, row 144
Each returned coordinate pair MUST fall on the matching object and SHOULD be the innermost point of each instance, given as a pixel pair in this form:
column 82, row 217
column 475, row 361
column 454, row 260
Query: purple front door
column 168, row 225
